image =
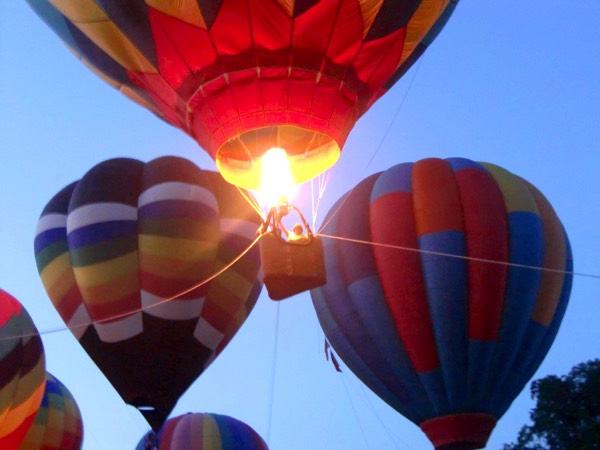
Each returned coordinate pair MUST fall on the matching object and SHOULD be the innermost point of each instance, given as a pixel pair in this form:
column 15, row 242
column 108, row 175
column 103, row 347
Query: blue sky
column 515, row 83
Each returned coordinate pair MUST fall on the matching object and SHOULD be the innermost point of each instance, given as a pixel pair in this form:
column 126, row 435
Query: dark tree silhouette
column 567, row 413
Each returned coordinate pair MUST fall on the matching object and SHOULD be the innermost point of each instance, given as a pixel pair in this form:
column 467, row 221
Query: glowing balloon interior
column 242, row 77
column 276, row 178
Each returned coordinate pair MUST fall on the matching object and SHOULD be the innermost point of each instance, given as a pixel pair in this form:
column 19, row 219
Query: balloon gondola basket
column 292, row 262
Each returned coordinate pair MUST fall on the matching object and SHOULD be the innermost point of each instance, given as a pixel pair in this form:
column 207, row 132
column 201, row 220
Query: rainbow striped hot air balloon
column 451, row 316
column 204, row 431
column 113, row 250
column 22, row 371
column 57, row 424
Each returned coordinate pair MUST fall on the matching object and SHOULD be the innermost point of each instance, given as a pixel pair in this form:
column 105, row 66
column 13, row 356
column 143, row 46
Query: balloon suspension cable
column 364, row 391
column 381, row 141
column 354, row 410
column 301, row 233
column 313, row 207
column 468, row 258
column 251, row 201
column 327, row 236
column 323, row 182
column 143, row 308
column 273, row 374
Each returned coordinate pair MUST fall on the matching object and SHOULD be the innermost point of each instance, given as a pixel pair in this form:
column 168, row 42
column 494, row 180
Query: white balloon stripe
column 207, row 335
column 175, row 309
column 50, row 221
column 178, row 191
column 120, row 329
column 80, row 322
column 98, row 213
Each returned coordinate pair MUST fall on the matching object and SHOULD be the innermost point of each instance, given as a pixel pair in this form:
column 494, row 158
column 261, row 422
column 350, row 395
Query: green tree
column 567, row 413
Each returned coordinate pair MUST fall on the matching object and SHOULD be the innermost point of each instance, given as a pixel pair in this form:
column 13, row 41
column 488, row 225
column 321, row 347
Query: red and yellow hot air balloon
column 127, row 255
column 244, row 76
column 451, row 310
column 204, row 431
column 22, row 371
column 57, row 424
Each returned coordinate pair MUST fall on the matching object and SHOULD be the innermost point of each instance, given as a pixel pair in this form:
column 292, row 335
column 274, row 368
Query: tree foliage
column 567, row 413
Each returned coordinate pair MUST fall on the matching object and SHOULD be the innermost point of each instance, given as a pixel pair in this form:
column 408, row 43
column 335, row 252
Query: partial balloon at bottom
column 203, row 431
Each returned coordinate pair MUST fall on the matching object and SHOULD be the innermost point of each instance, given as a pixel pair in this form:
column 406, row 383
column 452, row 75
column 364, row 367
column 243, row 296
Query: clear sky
column 515, row 83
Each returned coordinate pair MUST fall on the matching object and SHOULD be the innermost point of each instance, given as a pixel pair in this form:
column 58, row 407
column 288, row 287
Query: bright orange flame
column 276, row 177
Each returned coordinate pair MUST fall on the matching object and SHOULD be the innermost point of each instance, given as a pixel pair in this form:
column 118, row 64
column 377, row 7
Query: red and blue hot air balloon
column 127, row 255
column 451, row 310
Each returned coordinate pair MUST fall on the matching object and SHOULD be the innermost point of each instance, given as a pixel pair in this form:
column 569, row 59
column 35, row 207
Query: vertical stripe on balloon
column 487, row 247
column 440, row 230
column 526, row 253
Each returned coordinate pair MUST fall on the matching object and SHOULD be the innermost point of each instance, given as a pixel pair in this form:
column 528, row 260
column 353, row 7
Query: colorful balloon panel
column 204, row 431
column 57, row 424
column 22, row 371
column 242, row 77
column 113, row 249
column 450, row 316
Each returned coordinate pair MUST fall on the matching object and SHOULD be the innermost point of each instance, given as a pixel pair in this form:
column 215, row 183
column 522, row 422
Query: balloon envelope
column 204, row 431
column 241, row 77
column 22, row 371
column 451, row 316
column 57, row 424
column 113, row 249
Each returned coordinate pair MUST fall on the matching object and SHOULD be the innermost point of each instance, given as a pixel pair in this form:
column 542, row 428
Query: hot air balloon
column 22, row 371
column 57, row 424
column 204, row 431
column 243, row 77
column 452, row 309
column 115, row 247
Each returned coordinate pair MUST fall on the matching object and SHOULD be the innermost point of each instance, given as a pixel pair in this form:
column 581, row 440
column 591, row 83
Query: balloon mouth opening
column 309, row 152
column 467, row 431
